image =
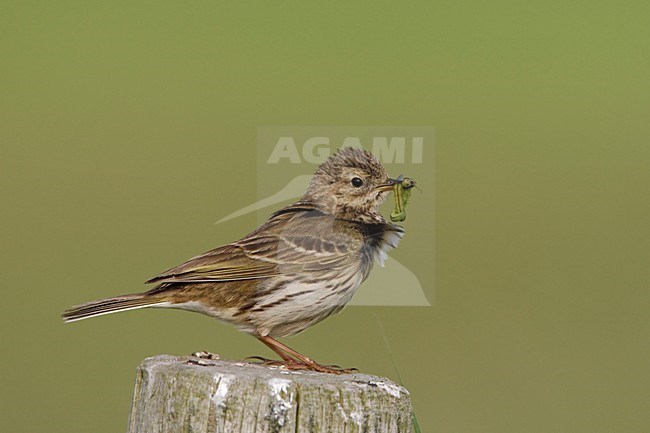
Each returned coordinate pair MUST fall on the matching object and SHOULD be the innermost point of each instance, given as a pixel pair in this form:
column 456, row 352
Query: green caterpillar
column 402, row 192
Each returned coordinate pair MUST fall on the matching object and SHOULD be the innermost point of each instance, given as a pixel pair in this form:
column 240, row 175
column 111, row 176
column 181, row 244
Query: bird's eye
column 357, row 182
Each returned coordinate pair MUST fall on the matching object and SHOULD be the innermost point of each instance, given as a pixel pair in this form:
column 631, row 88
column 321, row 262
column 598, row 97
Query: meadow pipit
column 301, row 266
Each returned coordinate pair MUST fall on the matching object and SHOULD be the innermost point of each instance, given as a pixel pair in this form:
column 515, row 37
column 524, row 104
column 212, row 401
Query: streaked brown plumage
column 298, row 268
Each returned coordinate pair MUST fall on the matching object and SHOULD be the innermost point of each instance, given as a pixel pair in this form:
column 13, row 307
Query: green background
column 119, row 121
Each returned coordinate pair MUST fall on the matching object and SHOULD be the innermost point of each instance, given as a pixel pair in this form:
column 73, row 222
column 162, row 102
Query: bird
column 301, row 266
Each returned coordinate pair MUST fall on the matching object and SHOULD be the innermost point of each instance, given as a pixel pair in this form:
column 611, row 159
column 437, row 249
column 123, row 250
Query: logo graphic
column 286, row 159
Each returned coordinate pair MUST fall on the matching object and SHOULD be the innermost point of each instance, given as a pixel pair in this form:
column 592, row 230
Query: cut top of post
column 188, row 394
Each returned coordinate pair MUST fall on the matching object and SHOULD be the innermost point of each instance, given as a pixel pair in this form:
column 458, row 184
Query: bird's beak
column 390, row 183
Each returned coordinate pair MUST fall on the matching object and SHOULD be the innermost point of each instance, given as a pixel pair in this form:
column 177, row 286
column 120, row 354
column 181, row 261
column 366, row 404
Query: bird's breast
column 378, row 241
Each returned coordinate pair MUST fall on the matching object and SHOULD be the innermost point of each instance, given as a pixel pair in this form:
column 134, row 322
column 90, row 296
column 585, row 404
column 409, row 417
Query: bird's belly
column 302, row 303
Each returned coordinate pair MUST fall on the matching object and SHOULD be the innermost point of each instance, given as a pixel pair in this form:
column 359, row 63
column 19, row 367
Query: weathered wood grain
column 175, row 394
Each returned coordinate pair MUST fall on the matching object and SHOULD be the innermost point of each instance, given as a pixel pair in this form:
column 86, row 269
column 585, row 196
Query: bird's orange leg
column 296, row 361
column 288, row 362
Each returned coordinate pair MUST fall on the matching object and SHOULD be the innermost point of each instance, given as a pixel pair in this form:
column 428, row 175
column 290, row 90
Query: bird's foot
column 315, row 366
column 298, row 365
column 287, row 364
column 332, row 369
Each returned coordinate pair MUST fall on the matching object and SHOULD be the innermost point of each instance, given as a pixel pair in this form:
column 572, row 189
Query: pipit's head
column 351, row 184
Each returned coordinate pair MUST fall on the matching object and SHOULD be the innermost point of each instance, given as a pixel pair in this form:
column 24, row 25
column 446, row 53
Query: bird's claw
column 333, row 369
column 298, row 365
column 284, row 364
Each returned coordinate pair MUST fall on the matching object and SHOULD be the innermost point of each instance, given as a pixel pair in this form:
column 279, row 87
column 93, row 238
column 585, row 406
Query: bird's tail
column 111, row 305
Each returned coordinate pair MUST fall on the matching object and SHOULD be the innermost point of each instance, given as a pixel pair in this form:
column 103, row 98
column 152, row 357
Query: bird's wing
column 294, row 240
column 226, row 263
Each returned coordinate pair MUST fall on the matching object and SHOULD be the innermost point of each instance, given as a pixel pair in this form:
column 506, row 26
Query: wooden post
column 175, row 394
